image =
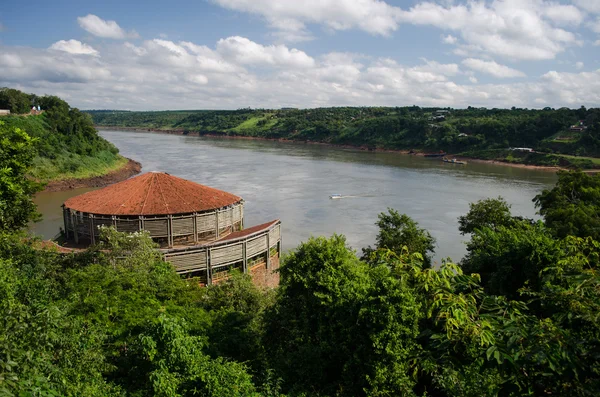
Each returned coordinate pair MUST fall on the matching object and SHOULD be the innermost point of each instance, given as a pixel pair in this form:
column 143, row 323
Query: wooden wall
column 189, row 229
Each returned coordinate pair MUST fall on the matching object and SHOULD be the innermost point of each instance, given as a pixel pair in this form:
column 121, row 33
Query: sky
column 231, row 54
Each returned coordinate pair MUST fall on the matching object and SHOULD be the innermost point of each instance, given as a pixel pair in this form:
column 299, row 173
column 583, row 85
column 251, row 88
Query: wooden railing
column 208, row 258
column 196, row 227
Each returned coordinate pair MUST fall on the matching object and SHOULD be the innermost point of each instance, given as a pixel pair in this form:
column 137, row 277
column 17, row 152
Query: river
column 293, row 182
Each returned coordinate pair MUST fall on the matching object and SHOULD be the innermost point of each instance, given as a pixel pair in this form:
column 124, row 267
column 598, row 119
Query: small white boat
column 335, row 196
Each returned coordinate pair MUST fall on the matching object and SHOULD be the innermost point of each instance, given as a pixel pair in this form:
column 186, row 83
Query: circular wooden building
column 174, row 211
column 200, row 230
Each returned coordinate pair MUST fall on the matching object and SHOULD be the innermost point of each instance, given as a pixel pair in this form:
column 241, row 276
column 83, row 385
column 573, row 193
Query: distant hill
column 474, row 132
column 68, row 145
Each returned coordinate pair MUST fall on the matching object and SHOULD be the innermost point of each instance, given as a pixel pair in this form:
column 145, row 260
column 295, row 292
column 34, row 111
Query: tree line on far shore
column 517, row 316
column 474, row 132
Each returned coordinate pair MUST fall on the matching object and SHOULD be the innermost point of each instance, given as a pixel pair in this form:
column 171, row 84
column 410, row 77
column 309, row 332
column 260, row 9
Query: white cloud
column 572, row 88
column 449, row 39
column 161, row 74
column 74, row 47
column 246, row 51
column 289, row 18
column 197, row 79
column 35, row 67
column 597, row 43
column 579, row 65
column 139, row 51
column 563, row 14
column 515, row 29
column 102, row 28
column 172, row 47
column 589, row 5
column 492, row 68
column 11, row 60
column 445, row 69
column 336, row 68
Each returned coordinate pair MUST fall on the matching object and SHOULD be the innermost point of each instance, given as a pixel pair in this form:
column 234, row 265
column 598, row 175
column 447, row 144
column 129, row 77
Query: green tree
column 44, row 350
column 123, row 283
column 17, row 152
column 14, row 100
column 169, row 362
column 475, row 344
column 572, row 207
column 237, row 308
column 340, row 326
column 489, row 213
column 398, row 231
column 508, row 258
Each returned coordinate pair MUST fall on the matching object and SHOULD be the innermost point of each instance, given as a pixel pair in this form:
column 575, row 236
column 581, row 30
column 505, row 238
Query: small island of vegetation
column 567, row 138
column 68, row 149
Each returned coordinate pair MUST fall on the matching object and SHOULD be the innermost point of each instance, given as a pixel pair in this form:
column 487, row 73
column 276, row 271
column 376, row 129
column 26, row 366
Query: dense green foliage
column 485, row 213
column 14, row 100
column 571, row 207
column 97, row 325
column 342, row 327
column 397, row 233
column 475, row 132
column 17, row 152
column 518, row 316
column 508, row 258
column 66, row 141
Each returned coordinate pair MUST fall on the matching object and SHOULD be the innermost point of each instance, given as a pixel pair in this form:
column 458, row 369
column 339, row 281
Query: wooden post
column 143, row 222
column 170, row 230
column 92, row 236
column 241, row 216
column 217, row 219
column 66, row 222
column 268, row 250
column 195, row 228
column 140, row 223
column 244, row 258
column 75, row 234
column 208, row 268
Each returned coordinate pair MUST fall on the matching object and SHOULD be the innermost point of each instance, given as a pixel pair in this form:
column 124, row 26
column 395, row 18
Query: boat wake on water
column 343, row 196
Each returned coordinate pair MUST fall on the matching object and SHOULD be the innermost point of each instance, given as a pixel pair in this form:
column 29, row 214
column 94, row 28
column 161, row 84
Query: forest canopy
column 559, row 137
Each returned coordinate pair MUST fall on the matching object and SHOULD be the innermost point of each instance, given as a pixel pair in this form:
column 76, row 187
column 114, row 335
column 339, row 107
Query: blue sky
column 270, row 53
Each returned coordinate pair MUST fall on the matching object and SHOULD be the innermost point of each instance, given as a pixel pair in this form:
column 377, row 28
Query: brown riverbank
column 128, row 170
column 407, row 152
column 515, row 165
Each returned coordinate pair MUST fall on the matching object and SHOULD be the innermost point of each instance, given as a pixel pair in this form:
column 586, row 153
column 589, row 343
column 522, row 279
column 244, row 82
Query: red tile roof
column 153, row 193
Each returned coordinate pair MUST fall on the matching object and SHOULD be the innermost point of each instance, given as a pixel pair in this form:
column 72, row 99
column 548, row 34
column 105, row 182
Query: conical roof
column 153, row 193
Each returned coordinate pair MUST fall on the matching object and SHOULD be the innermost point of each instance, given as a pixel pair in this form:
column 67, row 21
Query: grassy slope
column 60, row 163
